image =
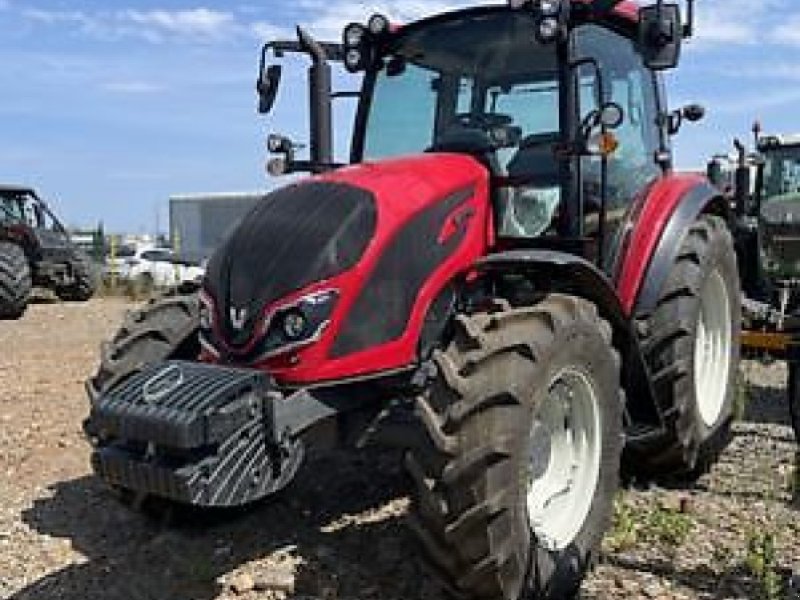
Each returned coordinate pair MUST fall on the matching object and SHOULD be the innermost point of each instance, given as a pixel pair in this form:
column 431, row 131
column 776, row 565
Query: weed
column 762, row 564
column 624, row 533
column 741, row 398
column 659, row 524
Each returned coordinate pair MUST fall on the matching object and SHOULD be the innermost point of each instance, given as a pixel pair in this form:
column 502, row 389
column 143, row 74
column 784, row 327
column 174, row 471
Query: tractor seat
column 536, row 161
column 481, row 143
column 528, row 206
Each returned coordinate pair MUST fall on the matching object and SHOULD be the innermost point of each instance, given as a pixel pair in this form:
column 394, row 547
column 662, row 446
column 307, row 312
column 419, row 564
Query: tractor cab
column 778, row 196
column 560, row 101
column 25, row 218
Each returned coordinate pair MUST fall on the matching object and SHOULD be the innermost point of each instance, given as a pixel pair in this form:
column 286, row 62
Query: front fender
column 571, row 274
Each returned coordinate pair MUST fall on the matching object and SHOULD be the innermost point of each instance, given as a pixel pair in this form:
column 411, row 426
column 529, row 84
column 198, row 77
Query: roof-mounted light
column 550, row 8
column 378, row 25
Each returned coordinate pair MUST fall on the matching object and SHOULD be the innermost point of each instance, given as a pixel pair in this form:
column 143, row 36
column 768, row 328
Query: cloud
column 788, row 32
column 155, row 26
column 264, row 31
column 132, row 87
column 197, row 22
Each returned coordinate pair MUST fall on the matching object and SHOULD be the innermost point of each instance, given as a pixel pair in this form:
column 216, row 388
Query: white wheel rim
column 712, row 349
column 567, row 427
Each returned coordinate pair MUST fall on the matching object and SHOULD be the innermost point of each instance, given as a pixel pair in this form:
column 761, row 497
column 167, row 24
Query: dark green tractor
column 765, row 191
column 36, row 251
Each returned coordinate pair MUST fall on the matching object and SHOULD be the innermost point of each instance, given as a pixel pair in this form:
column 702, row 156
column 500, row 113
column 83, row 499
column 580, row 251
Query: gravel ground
column 338, row 530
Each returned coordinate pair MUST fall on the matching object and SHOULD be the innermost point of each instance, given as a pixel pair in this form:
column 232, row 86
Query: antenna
column 757, row 133
column 688, row 28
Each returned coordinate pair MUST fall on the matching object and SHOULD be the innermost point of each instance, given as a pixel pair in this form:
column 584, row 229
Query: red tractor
column 507, row 280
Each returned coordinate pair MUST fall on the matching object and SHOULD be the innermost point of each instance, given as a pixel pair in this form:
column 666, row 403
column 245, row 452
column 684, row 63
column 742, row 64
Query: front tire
column 166, row 328
column 691, row 346
column 15, row 281
column 515, row 488
column 84, row 285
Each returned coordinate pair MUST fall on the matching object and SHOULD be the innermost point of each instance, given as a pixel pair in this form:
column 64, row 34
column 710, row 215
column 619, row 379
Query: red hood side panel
column 408, row 191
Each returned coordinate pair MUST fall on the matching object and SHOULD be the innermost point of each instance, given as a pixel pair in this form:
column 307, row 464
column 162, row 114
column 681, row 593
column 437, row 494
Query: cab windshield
column 476, row 69
column 477, row 82
column 782, row 174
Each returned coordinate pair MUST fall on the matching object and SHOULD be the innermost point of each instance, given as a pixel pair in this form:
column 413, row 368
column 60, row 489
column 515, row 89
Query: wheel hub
column 712, row 349
column 564, row 464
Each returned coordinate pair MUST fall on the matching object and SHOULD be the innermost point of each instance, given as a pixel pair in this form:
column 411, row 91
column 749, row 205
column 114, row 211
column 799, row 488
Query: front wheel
column 515, row 488
column 84, row 282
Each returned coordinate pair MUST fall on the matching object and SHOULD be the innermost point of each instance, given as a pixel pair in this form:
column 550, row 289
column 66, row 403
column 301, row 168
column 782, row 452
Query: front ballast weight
column 200, row 434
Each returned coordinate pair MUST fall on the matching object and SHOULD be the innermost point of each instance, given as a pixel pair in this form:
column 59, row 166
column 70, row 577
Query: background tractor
column 506, row 279
column 36, row 251
column 765, row 188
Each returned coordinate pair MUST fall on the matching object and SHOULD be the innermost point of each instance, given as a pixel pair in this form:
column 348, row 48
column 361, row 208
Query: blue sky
column 108, row 108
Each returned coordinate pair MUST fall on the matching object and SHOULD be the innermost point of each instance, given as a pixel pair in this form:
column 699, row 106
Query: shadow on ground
column 735, row 582
column 132, row 558
column 768, row 405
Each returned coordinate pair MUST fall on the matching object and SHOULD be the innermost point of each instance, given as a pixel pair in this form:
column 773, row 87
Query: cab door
column 633, row 167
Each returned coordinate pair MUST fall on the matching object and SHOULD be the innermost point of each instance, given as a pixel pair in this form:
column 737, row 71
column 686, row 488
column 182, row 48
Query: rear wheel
column 692, row 348
column 15, row 281
column 515, row 488
column 794, row 396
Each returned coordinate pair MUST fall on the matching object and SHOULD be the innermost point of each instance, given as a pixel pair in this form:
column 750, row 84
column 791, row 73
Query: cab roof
column 772, row 142
column 10, row 187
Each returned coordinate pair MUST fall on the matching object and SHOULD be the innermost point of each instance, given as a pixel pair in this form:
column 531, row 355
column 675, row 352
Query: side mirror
column 660, row 35
column 594, row 139
column 693, row 112
column 611, row 115
column 268, row 83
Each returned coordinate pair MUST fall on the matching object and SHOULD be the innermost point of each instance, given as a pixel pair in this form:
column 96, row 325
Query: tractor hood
column 331, row 233
column 293, row 237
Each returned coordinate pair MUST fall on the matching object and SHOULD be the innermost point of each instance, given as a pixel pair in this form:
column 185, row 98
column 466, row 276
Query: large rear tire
column 515, row 487
column 691, row 345
column 15, row 281
column 166, row 328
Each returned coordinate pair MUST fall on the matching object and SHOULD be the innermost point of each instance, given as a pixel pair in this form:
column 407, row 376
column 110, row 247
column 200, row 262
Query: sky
column 108, row 108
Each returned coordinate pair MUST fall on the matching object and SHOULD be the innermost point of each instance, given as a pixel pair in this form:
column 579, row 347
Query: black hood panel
column 292, row 238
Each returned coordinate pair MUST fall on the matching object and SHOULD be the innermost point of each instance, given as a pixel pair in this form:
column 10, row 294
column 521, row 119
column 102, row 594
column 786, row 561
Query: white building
column 198, row 223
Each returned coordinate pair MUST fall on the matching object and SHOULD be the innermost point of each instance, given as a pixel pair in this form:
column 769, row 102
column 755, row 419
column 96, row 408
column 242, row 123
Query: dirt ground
column 338, row 531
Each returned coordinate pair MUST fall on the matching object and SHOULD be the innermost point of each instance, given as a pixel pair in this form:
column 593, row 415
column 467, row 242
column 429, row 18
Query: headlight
column 548, row 29
column 353, row 60
column 550, row 8
column 294, row 324
column 298, row 323
column 354, row 34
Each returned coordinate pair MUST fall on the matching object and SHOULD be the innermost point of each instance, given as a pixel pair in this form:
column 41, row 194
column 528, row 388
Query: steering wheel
column 498, row 128
column 484, row 121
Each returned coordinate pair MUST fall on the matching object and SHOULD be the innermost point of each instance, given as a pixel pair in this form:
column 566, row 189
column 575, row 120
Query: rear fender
column 670, row 208
column 566, row 273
